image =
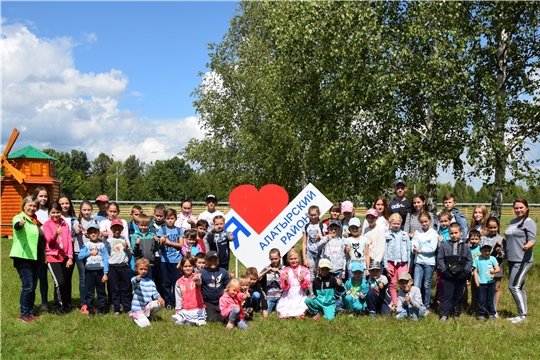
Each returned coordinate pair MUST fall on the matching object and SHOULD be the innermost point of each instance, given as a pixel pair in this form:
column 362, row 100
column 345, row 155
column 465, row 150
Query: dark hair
column 191, row 234
column 186, row 201
column 159, row 207
column 524, row 202
column 136, row 207
column 252, row 271
column 71, row 210
column 55, row 205
column 336, row 207
column 386, row 212
column 115, row 204
column 184, row 260
column 40, row 189
column 200, row 255
column 275, row 251
column 425, row 214
column 474, row 233
column 455, row 225
column 85, row 202
column 202, row 222
column 315, row 207
column 494, row 219
column 421, row 197
column 449, row 196
column 445, row 213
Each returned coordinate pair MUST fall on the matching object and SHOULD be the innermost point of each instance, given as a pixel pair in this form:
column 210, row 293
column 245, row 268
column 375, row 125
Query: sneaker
column 512, row 318
column 427, row 312
column 91, row 315
column 100, row 313
column 116, row 314
column 201, row 323
column 493, row 318
column 68, row 309
column 242, row 325
column 481, row 319
column 84, row 309
column 26, row 319
column 178, row 320
column 497, row 315
column 170, row 307
column 111, row 308
column 316, row 317
column 229, row 326
column 519, row 319
column 443, row 319
column 44, row 308
column 351, row 315
column 59, row 312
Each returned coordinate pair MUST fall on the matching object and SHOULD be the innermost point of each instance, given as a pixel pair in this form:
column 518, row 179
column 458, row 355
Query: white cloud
column 56, row 106
column 90, row 38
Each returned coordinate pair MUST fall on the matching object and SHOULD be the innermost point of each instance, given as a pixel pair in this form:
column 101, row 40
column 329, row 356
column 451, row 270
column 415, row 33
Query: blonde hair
column 293, row 251
column 141, row 261
column 244, row 280
column 395, row 216
column 484, row 220
column 233, row 283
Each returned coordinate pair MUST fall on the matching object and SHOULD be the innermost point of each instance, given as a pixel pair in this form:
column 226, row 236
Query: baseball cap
column 375, row 265
column 334, row 222
column 92, row 225
column 325, row 263
column 354, row 222
column 400, row 181
column 373, row 212
column 347, row 206
column 117, row 222
column 211, row 197
column 102, row 198
column 405, row 276
column 485, row 243
column 211, row 254
column 357, row 267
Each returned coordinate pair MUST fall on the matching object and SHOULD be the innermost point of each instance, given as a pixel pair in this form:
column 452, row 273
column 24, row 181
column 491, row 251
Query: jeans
column 272, row 302
column 44, row 284
column 82, row 282
column 253, row 301
column 29, row 277
column 423, row 275
column 234, row 315
column 339, row 302
column 486, row 299
column 411, row 312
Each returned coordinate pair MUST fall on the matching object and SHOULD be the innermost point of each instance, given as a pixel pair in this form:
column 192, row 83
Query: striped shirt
column 144, row 291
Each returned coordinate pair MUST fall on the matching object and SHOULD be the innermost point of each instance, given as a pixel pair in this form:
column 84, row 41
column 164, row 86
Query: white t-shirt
column 209, row 217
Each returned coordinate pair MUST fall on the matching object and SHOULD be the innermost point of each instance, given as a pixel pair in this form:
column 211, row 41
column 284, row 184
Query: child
column 144, row 244
column 474, row 241
column 202, row 228
column 409, row 299
column 325, row 289
column 295, row 279
column 347, row 209
column 191, row 247
column 186, row 220
column 381, row 205
column 119, row 251
column 412, row 222
column 200, row 262
column 59, row 255
column 136, row 211
column 400, row 204
column 214, row 280
column 218, row 240
column 443, row 230
column 230, row 304
column 485, row 267
column 378, row 300
column 496, row 242
column 356, row 289
column 189, row 301
column 257, row 299
column 244, row 291
column 333, row 249
column 312, row 234
column 95, row 255
column 356, row 247
column 210, row 213
column 146, row 299
column 479, row 219
column 397, row 254
column 85, row 220
column 449, row 202
column 424, row 244
column 171, row 239
column 155, row 225
column 113, row 209
column 102, row 201
column 335, row 212
column 376, row 235
column 455, row 263
column 269, row 279
column 42, row 196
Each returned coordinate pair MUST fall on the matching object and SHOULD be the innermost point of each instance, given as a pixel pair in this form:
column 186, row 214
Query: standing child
column 189, row 301
column 312, row 234
column 496, row 242
column 191, row 247
column 113, row 209
column 269, row 279
column 42, row 213
column 479, row 219
column 412, row 222
column 214, row 280
column 356, row 290
column 186, row 220
column 378, row 300
column 397, row 254
column 409, row 299
column 335, row 212
column 449, row 202
column 376, row 235
column 119, row 252
column 443, row 230
column 202, row 228
column 333, row 249
column 144, row 244
column 295, row 279
column 485, row 267
column 155, row 225
column 68, row 214
column 347, row 209
column 95, row 255
column 85, row 220
column 356, row 247
column 325, row 290
column 474, row 241
column 200, row 262
column 218, row 240
column 210, row 213
column 381, row 205
column 400, row 204
column 102, row 201
column 171, row 240
column 230, row 304
column 133, row 225
column 455, row 263
column 146, row 299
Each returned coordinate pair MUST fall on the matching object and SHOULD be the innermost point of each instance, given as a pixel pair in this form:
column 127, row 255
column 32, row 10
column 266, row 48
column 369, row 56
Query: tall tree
column 98, row 172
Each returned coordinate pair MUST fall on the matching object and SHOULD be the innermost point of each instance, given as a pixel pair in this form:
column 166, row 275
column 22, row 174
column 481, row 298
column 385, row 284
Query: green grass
column 74, row 336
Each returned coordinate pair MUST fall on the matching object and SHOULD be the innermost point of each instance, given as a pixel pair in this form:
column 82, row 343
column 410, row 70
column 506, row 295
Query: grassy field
column 74, row 336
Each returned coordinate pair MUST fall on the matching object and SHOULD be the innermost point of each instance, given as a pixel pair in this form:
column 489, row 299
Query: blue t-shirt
column 170, row 254
column 484, row 266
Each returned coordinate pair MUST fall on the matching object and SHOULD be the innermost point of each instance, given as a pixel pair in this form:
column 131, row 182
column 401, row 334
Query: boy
column 356, row 289
column 95, row 271
column 186, row 220
column 378, row 298
column 119, row 252
column 144, row 244
column 214, row 280
column 449, row 201
column 101, row 202
column 325, row 288
column 356, row 247
column 270, row 281
column 136, row 211
column 474, row 241
column 312, row 234
column 210, row 213
column 157, row 223
column 171, row 240
column 409, row 299
column 333, row 249
column 400, row 204
column 146, row 300
column 218, row 240
column 485, row 267
column 200, row 262
column 257, row 300
column 202, row 228
column 454, row 261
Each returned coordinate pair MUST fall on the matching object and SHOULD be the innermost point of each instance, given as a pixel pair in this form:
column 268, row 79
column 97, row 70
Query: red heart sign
column 258, row 208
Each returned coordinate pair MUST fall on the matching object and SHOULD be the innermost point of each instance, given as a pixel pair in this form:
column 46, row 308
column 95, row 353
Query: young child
column 485, row 267
column 202, row 228
column 136, row 211
column 269, row 279
column 400, row 204
column 146, row 299
column 378, row 299
column 214, row 280
column 397, row 254
column 479, row 219
column 200, row 262
column 102, row 201
column 376, row 235
column 333, row 249
column 218, row 240
column 443, row 228
column 412, row 221
column 155, row 225
column 210, row 213
column 381, row 205
column 473, row 241
column 257, row 299
column 295, row 279
column 113, row 209
column 189, row 301
column 191, row 247
column 230, row 304
column 335, row 212
column 356, row 247
column 356, row 290
column 95, row 255
column 449, row 202
column 455, row 263
column 325, row 288
column 409, row 299
column 347, row 209
column 311, row 236
column 496, row 242
column 119, row 251
column 171, row 239
column 85, row 219
column 186, row 220
column 144, row 244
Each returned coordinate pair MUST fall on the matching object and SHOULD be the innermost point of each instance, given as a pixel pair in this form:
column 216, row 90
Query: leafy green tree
column 98, row 175
column 78, row 161
column 132, row 171
column 166, row 179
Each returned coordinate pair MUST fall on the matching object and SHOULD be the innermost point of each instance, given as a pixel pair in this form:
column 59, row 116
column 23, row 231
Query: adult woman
column 27, row 253
column 520, row 238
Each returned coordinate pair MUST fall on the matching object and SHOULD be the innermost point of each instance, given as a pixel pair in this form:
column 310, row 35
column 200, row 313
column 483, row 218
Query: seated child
column 214, row 280
column 230, row 304
column 325, row 287
column 189, row 301
column 356, row 289
column 485, row 267
column 257, row 297
column 269, row 279
column 144, row 244
column 378, row 299
column 218, row 240
column 146, row 300
column 294, row 282
column 409, row 299
column 191, row 247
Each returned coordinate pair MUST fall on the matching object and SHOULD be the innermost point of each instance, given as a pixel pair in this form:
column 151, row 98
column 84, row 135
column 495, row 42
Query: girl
column 412, row 222
column 335, row 212
column 381, row 205
column 376, row 236
column 42, row 213
column 424, row 246
column 347, row 209
column 189, row 302
column 105, row 225
column 356, row 247
column 186, row 220
column 479, row 219
column 191, row 247
column 397, row 254
column 230, row 304
column 496, row 241
column 85, row 219
column 311, row 236
column 68, row 214
column 59, row 252
column 295, row 279
column 520, row 239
